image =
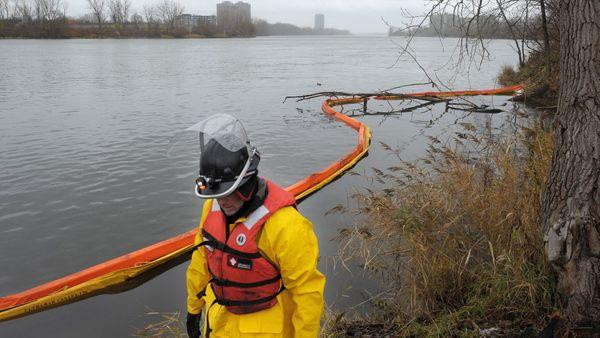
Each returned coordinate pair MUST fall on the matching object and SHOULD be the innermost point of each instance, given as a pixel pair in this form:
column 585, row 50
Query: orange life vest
column 242, row 279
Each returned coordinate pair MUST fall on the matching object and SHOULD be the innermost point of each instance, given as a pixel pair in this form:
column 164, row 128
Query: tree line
column 105, row 18
column 264, row 28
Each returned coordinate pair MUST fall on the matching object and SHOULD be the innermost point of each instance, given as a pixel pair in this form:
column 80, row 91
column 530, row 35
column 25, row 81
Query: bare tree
column 150, row 17
column 119, row 11
column 503, row 8
column 5, row 9
column 168, row 11
column 23, row 10
column 149, row 13
column 125, row 8
column 474, row 23
column 546, row 36
column 98, row 11
column 571, row 208
column 137, row 20
column 49, row 10
column 38, row 18
column 49, row 18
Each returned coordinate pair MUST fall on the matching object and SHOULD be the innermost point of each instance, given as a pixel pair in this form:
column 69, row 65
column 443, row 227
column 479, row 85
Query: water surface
column 84, row 131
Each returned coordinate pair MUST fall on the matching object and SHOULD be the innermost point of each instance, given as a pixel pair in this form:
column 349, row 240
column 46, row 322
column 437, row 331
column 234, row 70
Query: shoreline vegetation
column 69, row 29
column 47, row 19
column 73, row 30
column 455, row 239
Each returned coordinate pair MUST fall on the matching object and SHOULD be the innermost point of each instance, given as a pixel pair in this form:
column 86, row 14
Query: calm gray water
column 85, row 126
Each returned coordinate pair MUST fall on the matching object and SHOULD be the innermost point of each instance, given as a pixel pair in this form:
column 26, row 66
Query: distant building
column 186, row 21
column 230, row 16
column 319, row 22
column 190, row 21
column 207, row 20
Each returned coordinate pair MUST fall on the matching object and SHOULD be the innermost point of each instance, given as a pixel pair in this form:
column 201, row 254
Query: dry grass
column 166, row 324
column 455, row 239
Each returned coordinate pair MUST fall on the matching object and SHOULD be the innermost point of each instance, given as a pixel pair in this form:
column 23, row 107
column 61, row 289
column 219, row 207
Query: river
column 85, row 125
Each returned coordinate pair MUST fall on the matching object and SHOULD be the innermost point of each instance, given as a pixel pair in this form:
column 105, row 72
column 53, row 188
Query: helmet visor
column 223, row 129
column 225, row 155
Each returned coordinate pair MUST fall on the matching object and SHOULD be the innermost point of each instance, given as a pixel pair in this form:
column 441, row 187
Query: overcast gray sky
column 358, row 16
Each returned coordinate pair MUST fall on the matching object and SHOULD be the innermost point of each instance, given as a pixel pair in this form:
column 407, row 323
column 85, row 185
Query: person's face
column 230, row 204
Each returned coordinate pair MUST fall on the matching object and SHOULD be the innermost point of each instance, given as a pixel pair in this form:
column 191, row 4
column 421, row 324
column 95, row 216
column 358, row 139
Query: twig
column 409, row 85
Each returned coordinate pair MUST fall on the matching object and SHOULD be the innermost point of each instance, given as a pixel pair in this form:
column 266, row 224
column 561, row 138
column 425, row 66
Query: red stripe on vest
column 242, row 279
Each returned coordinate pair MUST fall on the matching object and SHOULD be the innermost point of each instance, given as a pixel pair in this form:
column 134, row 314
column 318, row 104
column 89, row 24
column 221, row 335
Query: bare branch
column 119, row 10
column 98, row 11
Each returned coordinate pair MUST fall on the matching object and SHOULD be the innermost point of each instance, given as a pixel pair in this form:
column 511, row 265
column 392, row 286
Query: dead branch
column 399, row 111
column 462, row 105
column 380, row 95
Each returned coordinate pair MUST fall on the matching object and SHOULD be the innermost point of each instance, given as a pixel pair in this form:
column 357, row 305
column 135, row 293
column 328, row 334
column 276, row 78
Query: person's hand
column 193, row 325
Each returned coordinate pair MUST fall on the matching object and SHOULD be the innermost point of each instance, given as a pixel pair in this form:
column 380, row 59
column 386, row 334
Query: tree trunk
column 571, row 206
column 546, row 37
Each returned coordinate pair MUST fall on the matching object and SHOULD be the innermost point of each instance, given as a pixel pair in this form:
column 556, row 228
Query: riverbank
column 64, row 28
column 114, row 33
column 455, row 242
column 70, row 29
column 540, row 86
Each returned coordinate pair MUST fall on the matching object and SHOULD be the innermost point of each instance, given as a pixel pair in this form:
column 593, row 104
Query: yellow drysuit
column 288, row 241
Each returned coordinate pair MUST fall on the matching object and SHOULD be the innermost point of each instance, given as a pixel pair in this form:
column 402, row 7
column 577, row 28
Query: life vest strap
column 202, row 293
column 229, row 302
column 213, row 242
column 229, row 283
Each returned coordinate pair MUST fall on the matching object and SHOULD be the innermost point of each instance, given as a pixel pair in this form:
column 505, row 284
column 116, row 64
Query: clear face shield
column 226, row 157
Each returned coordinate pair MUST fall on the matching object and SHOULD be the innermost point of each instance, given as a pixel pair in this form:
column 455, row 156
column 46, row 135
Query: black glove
column 193, row 325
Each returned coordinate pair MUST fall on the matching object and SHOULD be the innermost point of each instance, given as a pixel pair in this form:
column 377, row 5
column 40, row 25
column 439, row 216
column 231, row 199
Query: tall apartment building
column 230, row 15
column 319, row 22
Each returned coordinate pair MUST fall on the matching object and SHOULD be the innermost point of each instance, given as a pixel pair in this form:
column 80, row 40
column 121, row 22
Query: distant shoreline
column 66, row 28
column 187, row 37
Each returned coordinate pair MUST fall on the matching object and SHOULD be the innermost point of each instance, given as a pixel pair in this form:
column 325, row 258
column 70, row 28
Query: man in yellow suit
column 254, row 271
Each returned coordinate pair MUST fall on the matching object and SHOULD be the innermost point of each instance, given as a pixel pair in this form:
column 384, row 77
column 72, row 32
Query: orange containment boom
column 107, row 276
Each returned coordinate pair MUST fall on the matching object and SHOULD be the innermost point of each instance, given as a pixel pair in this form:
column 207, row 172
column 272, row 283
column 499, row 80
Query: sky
column 358, row 16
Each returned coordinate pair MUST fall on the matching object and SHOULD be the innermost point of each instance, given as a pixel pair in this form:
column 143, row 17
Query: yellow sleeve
column 197, row 276
column 294, row 245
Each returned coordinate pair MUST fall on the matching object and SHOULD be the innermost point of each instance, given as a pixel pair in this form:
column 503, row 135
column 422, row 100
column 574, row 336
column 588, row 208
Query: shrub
column 508, row 76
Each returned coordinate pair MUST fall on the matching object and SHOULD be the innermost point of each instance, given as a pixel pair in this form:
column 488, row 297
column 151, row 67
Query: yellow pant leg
column 267, row 323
